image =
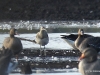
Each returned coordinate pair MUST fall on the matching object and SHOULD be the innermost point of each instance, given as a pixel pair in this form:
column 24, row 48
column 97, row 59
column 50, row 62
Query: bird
column 13, row 43
column 70, row 39
column 6, row 65
column 42, row 39
column 81, row 42
column 89, row 63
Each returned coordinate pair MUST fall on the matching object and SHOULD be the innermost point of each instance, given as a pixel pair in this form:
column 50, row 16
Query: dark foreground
column 54, row 59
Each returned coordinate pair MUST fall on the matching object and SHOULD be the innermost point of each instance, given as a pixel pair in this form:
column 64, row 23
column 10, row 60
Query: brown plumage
column 13, row 43
column 81, row 42
column 70, row 39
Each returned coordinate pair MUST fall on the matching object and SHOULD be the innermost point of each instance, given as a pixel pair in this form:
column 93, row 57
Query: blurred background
column 49, row 10
column 55, row 15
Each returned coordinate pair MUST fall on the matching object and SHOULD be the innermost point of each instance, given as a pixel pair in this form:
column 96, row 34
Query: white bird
column 89, row 63
column 42, row 39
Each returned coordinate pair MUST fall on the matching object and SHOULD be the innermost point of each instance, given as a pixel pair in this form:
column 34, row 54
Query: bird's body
column 42, row 38
column 90, row 42
column 89, row 64
column 78, row 42
column 89, row 68
column 70, row 39
column 81, row 42
column 13, row 43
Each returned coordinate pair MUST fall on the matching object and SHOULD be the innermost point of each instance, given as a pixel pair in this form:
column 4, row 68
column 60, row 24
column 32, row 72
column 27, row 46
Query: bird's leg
column 44, row 51
column 40, row 51
column 16, row 57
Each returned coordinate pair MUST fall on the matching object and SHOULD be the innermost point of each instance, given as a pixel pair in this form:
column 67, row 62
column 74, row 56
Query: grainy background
column 49, row 9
